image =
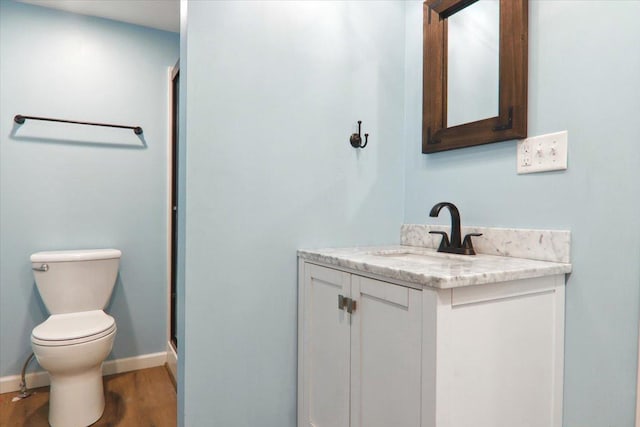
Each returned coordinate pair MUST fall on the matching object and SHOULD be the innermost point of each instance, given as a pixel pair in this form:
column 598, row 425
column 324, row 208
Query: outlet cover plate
column 543, row 153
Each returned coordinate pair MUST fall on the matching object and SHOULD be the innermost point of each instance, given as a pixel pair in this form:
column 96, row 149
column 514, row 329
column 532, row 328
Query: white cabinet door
column 325, row 348
column 386, row 334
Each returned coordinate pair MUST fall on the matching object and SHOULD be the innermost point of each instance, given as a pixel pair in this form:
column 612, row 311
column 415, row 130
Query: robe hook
column 356, row 139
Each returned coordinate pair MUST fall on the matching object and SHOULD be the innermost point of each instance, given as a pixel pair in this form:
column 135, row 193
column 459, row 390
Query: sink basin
column 423, row 257
column 409, row 255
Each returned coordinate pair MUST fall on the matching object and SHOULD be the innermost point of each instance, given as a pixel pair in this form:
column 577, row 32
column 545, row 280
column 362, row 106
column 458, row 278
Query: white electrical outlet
column 543, row 153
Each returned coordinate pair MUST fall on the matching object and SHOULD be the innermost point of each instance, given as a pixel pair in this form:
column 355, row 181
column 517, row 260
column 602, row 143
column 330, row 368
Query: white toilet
column 72, row 343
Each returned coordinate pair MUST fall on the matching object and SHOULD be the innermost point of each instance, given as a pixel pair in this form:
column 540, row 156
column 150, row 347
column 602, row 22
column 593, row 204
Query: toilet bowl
column 71, row 348
column 73, row 342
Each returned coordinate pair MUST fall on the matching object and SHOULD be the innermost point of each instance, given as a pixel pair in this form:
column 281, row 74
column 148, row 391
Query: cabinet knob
column 351, row 306
column 346, row 303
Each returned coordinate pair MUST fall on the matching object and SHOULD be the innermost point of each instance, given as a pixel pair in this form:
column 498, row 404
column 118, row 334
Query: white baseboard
column 34, row 380
column 172, row 362
column 110, row 367
column 134, row 363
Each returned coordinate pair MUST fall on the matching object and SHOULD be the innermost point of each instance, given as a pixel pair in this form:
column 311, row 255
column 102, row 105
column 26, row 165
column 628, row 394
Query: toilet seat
column 73, row 328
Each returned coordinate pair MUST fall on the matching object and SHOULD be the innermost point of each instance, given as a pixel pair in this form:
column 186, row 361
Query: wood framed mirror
column 508, row 118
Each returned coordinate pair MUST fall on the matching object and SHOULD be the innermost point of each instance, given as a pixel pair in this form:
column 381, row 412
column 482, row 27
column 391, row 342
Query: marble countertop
column 426, row 267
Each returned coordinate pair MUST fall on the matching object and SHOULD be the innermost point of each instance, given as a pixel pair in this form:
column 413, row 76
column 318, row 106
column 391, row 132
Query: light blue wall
column 584, row 65
column 273, row 92
column 68, row 187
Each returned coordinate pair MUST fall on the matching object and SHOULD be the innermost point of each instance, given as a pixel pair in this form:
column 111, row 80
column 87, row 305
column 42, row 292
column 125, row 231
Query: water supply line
column 24, row 392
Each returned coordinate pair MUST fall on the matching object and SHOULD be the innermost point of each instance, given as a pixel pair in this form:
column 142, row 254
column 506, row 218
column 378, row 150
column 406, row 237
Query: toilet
column 72, row 343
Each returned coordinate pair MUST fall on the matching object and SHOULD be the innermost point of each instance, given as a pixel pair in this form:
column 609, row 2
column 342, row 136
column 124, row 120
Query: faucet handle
column 468, row 245
column 444, row 243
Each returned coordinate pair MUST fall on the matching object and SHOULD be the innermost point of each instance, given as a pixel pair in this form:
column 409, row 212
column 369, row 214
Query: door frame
column 172, row 195
column 172, row 146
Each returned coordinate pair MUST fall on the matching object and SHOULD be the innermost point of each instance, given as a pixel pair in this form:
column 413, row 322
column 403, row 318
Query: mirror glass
column 473, row 39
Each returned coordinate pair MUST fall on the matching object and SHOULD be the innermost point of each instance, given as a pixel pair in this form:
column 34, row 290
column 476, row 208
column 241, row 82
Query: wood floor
column 144, row 398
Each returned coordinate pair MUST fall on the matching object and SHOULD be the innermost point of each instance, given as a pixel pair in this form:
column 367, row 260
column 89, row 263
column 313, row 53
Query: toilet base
column 78, row 400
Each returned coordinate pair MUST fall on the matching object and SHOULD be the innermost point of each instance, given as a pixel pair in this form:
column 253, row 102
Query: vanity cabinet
column 363, row 368
column 486, row 355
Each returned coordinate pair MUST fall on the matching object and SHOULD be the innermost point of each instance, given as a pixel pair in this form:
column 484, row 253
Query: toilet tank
column 78, row 280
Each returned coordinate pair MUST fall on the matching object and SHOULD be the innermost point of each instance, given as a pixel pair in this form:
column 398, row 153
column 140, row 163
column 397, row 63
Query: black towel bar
column 20, row 120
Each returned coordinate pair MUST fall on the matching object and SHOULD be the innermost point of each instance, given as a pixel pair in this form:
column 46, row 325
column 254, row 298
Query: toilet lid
column 73, row 328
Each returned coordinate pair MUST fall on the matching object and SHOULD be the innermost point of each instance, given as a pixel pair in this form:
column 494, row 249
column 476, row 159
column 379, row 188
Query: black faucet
column 455, row 245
